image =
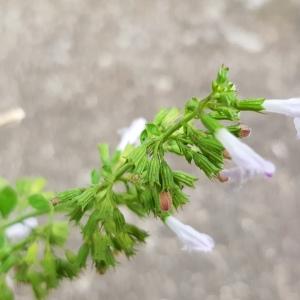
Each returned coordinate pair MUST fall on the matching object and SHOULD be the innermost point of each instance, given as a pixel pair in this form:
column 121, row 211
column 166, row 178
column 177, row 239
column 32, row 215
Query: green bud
column 166, row 176
column 250, row 104
column 153, row 171
column 184, row 178
column 205, row 165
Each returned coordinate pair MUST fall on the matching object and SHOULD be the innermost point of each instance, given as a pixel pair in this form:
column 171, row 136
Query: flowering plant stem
column 151, row 187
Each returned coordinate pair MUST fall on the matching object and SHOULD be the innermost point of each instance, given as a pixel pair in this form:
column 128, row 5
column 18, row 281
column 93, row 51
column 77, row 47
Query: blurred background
column 82, row 69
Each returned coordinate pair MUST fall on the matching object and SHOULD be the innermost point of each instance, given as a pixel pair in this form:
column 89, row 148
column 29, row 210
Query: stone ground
column 82, row 69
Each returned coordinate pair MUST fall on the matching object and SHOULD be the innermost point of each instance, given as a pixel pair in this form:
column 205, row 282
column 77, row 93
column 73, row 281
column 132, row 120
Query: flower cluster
column 136, row 176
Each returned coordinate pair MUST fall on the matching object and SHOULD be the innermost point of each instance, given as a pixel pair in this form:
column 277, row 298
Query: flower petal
column 244, row 156
column 192, row 239
column 131, row 134
column 289, row 107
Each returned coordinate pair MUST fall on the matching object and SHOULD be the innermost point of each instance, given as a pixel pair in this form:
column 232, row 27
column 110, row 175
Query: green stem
column 123, row 169
column 186, row 119
column 22, row 218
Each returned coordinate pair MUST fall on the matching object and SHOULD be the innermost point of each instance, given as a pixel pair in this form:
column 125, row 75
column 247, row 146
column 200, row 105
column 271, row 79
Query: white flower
column 192, row 239
column 131, row 134
column 13, row 115
column 289, row 107
column 246, row 159
column 21, row 230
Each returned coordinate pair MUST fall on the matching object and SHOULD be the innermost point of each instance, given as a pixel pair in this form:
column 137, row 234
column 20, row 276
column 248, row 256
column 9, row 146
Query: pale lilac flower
column 11, row 116
column 131, row 134
column 21, row 230
column 191, row 239
column 289, row 107
column 247, row 160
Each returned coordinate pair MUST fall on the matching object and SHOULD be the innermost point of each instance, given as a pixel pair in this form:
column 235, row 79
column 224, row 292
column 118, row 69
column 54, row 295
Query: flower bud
column 222, row 178
column 165, row 200
column 245, row 131
column 55, row 201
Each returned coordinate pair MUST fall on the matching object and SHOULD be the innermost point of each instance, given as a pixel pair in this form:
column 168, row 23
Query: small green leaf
column 32, row 253
column 3, row 182
column 39, row 202
column 104, row 154
column 82, row 255
column 95, row 176
column 59, row 233
column 152, row 129
column 8, row 200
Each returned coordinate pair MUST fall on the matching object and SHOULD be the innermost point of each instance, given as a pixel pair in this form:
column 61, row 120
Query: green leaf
column 152, row 129
column 118, row 219
column 39, row 202
column 49, row 268
column 8, row 200
column 104, row 154
column 95, row 176
column 83, row 254
column 6, row 292
column 59, row 233
column 29, row 186
column 3, row 183
column 32, row 253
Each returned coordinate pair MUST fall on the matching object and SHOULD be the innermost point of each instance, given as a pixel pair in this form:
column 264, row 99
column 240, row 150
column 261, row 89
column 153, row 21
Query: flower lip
column 289, row 107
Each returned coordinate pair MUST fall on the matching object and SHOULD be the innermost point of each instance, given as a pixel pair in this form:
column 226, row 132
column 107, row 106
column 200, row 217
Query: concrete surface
column 82, row 69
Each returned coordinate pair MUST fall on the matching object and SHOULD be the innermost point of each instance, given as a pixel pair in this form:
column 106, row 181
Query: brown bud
column 165, row 200
column 245, row 131
column 55, row 201
column 226, row 154
column 222, row 178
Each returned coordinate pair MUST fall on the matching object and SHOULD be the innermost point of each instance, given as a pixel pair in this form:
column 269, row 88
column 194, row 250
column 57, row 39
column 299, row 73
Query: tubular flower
column 289, row 107
column 191, row 239
column 131, row 134
column 247, row 160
